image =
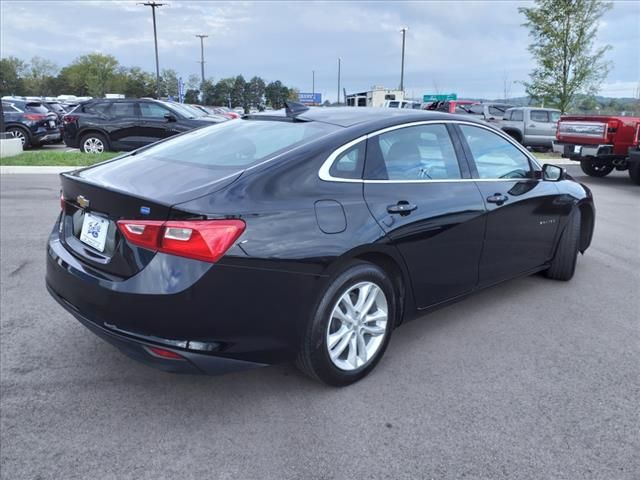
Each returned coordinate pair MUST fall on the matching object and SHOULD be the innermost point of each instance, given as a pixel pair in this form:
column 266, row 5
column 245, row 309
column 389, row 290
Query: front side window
column 99, row 108
column 153, row 110
column 539, row 116
column 494, row 156
column 423, row 152
column 517, row 116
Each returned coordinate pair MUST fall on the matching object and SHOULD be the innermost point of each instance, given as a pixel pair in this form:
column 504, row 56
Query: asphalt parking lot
column 534, row 379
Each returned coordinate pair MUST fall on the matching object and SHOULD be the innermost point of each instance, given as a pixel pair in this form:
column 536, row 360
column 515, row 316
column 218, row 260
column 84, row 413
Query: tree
column 218, row 94
column 194, row 81
column 40, row 76
column 255, row 92
column 276, row 94
column 563, row 33
column 139, row 83
column 237, row 92
column 191, row 96
column 11, row 72
column 169, row 83
column 93, row 74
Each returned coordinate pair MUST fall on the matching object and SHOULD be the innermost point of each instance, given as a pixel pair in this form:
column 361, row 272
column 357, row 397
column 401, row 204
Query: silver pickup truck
column 532, row 127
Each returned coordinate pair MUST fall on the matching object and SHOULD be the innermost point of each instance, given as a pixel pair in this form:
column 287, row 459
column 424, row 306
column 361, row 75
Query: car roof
column 350, row 116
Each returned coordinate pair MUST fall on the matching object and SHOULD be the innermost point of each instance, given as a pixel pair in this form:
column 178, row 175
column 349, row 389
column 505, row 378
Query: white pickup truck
column 532, row 127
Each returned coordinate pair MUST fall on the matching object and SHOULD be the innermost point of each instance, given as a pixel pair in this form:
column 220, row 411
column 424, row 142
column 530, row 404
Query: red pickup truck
column 600, row 143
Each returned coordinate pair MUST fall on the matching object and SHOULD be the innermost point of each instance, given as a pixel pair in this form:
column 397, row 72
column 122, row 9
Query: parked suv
column 531, row 126
column 126, row 124
column 601, row 143
column 31, row 122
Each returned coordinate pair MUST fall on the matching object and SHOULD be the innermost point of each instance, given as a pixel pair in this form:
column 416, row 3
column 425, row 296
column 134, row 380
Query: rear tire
column 593, row 168
column 93, row 143
column 345, row 339
column 22, row 134
column 563, row 265
column 634, row 172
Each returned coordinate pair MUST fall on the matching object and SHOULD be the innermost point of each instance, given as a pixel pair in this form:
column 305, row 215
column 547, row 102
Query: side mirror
column 553, row 173
column 170, row 117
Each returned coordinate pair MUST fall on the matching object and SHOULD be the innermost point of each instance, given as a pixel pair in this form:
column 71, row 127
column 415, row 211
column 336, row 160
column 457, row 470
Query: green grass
column 63, row 159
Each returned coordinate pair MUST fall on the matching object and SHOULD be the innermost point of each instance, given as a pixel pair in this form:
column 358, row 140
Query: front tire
column 94, row 143
column 563, row 265
column 593, row 168
column 351, row 327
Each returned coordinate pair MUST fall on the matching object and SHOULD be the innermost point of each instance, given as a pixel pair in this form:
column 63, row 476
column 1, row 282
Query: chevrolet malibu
column 306, row 235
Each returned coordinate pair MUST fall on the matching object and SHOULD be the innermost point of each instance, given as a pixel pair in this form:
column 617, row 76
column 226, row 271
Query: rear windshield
column 35, row 108
column 238, row 143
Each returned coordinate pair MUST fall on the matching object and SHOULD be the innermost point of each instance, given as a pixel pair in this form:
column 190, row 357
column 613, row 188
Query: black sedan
column 308, row 235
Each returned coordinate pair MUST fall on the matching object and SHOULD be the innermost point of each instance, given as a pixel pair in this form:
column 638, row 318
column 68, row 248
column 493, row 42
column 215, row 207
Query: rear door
column 426, row 203
column 522, row 210
column 541, row 130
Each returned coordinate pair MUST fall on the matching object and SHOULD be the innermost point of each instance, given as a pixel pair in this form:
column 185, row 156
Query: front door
column 522, row 210
column 154, row 125
column 123, row 125
column 415, row 188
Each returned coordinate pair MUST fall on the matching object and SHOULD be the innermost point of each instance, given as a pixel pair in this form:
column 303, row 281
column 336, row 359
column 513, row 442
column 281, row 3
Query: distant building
column 376, row 97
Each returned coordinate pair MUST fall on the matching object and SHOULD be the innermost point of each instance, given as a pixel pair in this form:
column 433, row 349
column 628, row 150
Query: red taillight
column 163, row 353
column 69, row 118
column 35, row 117
column 206, row 240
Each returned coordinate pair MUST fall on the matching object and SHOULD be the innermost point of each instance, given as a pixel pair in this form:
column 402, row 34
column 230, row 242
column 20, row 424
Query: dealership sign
column 310, row 97
column 440, row 97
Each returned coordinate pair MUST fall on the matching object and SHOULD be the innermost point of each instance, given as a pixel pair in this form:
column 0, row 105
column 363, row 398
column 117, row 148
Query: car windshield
column 235, row 144
column 182, row 110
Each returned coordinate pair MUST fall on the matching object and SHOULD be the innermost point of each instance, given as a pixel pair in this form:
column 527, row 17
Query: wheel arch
column 392, row 265
column 514, row 133
column 89, row 130
column 587, row 223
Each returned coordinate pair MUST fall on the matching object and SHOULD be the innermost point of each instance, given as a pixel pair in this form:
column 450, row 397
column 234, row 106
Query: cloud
column 468, row 47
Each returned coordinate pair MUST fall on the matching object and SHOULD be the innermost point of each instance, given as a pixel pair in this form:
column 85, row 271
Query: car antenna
column 293, row 109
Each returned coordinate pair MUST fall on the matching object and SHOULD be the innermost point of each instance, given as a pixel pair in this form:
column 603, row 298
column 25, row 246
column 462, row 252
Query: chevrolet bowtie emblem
column 82, row 201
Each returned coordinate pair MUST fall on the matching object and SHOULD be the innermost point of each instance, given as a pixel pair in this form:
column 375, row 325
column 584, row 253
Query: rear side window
column 539, row 116
column 100, row 108
column 126, row 109
column 494, row 156
column 239, row 143
column 555, row 116
column 423, row 152
column 35, row 108
column 349, row 163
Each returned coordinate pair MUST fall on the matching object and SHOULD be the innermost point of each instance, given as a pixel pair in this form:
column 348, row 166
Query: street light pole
column 153, row 6
column 339, row 61
column 202, row 37
column 404, row 32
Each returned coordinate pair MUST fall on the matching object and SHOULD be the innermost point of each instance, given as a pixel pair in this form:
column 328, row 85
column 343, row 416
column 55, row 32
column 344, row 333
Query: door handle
column 497, row 198
column 402, row 208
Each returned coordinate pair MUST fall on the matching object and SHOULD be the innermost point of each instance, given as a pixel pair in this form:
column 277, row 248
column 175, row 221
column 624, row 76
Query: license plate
column 52, row 124
column 94, row 231
column 577, row 149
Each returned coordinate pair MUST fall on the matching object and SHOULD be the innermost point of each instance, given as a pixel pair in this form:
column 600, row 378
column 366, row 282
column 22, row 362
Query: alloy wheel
column 357, row 326
column 19, row 134
column 93, row 145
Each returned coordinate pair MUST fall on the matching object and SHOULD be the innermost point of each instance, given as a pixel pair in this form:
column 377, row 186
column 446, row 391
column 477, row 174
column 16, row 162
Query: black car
column 126, row 124
column 55, row 107
column 308, row 236
column 31, row 122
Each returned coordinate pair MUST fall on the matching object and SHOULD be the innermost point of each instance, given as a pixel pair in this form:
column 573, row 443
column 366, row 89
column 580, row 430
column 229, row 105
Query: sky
column 472, row 48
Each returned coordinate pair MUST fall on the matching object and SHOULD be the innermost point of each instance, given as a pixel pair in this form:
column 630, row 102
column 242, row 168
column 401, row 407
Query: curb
column 10, row 170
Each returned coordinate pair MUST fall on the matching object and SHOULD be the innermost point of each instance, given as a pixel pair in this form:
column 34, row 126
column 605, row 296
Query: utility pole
column 153, row 6
column 313, row 86
column 339, row 61
column 404, row 33
column 202, row 37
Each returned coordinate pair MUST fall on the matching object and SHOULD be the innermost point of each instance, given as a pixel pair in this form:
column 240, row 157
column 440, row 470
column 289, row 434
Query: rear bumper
column 137, row 349
column 47, row 137
column 220, row 317
column 578, row 152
